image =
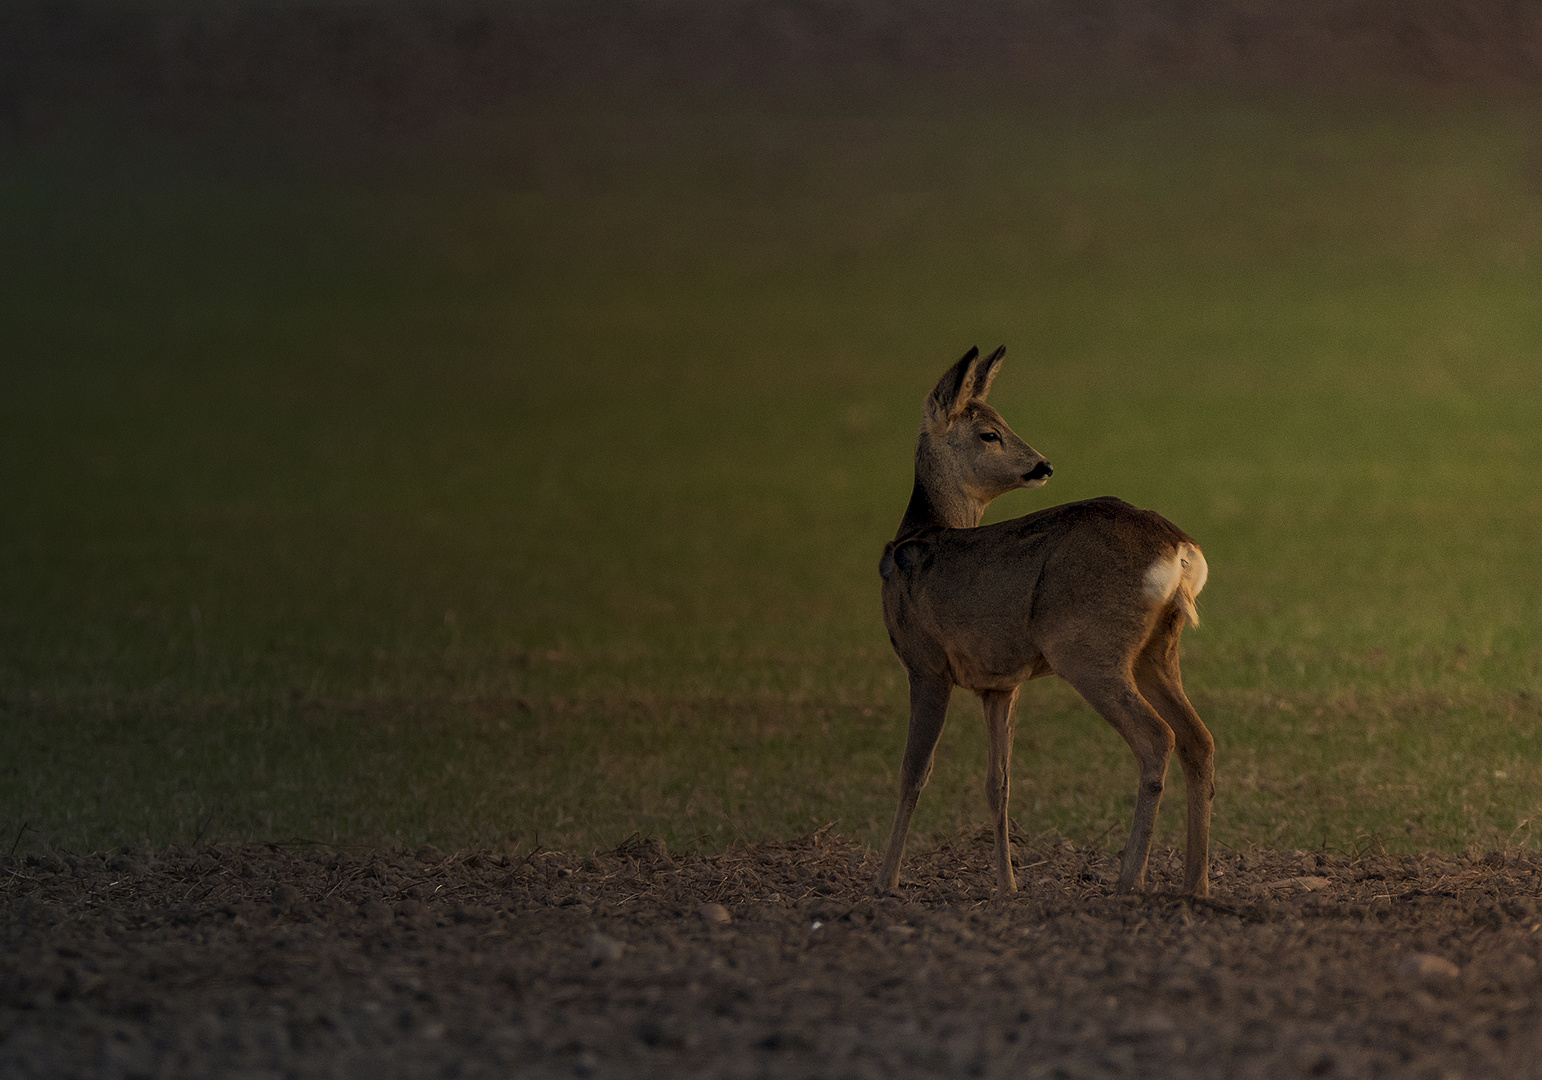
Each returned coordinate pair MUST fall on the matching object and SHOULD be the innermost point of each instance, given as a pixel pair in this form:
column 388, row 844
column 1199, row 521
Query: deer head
column 966, row 454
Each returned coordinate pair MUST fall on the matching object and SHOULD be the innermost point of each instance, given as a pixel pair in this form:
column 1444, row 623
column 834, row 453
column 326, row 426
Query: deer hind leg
column 1111, row 690
column 928, row 711
column 1161, row 683
column 1000, row 722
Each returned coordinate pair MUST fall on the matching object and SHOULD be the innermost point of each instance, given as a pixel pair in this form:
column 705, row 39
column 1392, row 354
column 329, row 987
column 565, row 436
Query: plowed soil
column 775, row 960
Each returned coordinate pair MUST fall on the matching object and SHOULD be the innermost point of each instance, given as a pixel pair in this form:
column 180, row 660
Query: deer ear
column 985, row 373
column 952, row 392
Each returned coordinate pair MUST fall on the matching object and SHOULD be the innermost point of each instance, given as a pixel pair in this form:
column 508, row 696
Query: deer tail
column 1191, row 579
column 1177, row 578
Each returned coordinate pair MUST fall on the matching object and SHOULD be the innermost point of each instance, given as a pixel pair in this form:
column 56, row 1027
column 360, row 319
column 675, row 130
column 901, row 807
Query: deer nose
column 1041, row 471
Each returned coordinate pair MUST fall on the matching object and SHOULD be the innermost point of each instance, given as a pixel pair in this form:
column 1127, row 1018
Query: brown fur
column 1088, row 591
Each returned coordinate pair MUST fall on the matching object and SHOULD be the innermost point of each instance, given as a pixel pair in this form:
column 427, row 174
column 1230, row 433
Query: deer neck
column 935, row 503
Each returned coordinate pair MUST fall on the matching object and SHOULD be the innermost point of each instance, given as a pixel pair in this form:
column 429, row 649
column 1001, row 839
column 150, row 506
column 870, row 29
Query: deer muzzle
column 1039, row 473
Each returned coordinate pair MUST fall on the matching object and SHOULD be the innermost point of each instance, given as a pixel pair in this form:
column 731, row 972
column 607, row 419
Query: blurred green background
column 520, row 480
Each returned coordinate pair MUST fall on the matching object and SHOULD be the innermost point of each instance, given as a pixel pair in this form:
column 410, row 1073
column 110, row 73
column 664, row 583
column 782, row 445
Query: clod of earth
column 1429, row 969
column 601, row 947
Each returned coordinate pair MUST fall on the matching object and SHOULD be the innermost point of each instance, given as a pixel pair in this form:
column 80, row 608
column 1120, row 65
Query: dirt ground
column 775, row 960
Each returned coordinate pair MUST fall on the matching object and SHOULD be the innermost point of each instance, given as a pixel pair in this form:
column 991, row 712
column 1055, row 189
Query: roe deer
column 1096, row 592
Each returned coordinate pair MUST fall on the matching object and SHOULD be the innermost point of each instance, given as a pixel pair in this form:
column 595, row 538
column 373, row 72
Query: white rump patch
column 1180, row 575
column 1162, row 578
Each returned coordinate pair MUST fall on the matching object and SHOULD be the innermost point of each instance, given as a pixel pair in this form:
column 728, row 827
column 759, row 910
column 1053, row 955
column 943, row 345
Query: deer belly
column 994, row 668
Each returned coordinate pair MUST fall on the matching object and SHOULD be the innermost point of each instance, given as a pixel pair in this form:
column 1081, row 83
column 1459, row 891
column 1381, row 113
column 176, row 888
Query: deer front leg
column 1000, row 723
column 928, row 711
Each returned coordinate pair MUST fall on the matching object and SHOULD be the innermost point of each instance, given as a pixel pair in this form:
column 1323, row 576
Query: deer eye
column 989, row 436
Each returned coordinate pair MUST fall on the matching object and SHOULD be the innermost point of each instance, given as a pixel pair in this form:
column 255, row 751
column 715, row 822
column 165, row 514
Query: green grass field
column 525, row 483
